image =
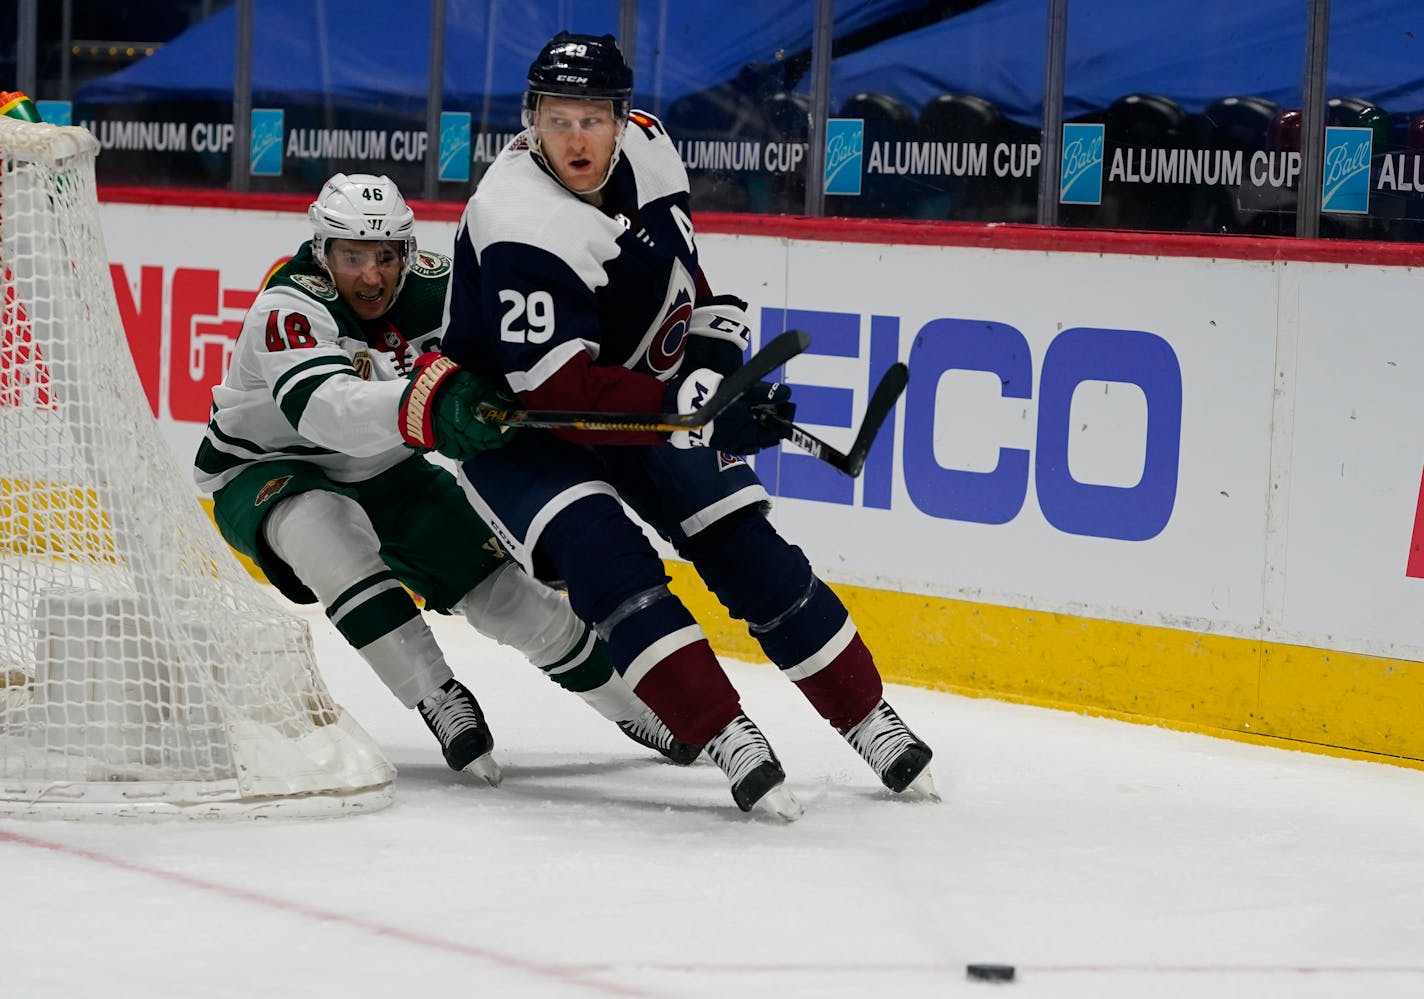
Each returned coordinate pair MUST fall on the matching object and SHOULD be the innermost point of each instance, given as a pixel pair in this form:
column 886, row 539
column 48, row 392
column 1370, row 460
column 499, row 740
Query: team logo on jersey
column 317, row 285
column 272, row 488
column 430, row 265
column 362, row 363
column 726, row 462
column 666, row 348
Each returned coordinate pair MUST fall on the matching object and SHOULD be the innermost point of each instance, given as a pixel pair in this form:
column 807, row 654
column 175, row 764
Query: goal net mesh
column 142, row 670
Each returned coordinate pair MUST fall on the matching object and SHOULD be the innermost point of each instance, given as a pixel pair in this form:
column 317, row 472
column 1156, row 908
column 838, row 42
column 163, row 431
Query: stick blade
column 882, row 401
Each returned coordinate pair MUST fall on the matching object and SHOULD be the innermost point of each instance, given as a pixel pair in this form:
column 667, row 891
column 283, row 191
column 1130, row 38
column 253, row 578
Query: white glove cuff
column 721, row 322
column 695, row 390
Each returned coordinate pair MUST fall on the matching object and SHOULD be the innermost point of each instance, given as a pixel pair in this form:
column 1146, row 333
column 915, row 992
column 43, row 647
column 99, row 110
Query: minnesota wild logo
column 317, row 285
column 430, row 265
column 272, row 488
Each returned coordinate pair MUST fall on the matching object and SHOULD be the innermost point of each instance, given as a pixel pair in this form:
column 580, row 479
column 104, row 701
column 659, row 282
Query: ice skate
column 757, row 779
column 455, row 717
column 648, row 730
column 899, row 758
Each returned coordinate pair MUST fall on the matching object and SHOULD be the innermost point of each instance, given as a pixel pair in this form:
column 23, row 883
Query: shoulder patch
column 430, row 265
column 319, row 286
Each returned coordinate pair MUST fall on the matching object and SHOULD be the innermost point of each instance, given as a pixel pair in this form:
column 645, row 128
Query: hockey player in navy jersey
column 576, row 278
column 309, row 456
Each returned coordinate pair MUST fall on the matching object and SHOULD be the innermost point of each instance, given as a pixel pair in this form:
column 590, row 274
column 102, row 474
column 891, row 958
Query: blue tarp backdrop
column 348, row 55
column 1192, row 51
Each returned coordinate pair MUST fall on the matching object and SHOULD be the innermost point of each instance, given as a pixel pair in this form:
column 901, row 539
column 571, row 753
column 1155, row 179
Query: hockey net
column 143, row 671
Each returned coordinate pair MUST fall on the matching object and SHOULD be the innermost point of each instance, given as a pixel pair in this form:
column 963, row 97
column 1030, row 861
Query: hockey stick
column 882, row 400
column 758, row 366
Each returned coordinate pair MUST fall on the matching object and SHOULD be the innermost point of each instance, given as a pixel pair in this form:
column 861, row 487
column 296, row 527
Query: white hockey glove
column 718, row 334
column 739, row 428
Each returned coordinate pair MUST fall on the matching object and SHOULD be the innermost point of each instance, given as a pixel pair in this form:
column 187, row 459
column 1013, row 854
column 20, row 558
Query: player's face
column 577, row 138
column 366, row 273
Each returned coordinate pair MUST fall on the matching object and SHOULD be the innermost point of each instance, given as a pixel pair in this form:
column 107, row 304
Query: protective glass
column 353, row 258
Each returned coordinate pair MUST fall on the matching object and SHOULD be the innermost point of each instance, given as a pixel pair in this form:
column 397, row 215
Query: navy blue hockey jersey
column 543, row 278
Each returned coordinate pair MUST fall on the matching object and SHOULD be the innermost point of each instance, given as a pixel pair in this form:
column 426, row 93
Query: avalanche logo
column 668, row 343
column 272, row 488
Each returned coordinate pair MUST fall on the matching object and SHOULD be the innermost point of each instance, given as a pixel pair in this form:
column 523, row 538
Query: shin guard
column 800, row 623
column 616, row 580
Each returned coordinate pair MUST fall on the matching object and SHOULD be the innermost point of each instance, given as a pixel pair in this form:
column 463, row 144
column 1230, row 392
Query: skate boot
column 455, row 717
column 648, row 730
column 756, row 775
column 898, row 757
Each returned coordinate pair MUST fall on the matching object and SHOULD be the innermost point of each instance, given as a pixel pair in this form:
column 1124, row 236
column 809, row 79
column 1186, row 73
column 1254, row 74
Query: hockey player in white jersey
column 576, row 278
column 314, row 458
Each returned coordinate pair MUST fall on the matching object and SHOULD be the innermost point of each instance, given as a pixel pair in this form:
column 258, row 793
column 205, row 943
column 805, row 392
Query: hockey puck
column 990, row 972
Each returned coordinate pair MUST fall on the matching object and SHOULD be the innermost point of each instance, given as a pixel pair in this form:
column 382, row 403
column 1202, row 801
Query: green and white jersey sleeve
column 304, row 384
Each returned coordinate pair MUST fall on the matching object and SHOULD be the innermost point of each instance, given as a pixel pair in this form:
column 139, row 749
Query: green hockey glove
column 439, row 410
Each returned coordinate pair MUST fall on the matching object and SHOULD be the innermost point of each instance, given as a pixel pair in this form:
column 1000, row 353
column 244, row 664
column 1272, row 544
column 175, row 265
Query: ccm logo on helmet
column 569, row 78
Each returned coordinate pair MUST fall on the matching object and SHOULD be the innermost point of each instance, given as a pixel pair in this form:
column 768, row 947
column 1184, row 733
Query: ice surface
column 1102, row 859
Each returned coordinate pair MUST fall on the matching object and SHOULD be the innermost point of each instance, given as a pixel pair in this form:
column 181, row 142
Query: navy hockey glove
column 439, row 409
column 741, row 427
column 718, row 334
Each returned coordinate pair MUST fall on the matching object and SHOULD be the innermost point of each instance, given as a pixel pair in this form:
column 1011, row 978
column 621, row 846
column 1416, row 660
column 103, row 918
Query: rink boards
column 1170, row 479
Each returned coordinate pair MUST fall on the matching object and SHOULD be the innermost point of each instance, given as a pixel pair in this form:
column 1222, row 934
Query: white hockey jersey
column 311, row 381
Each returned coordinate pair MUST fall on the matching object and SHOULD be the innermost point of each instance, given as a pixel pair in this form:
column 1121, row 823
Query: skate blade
column 922, row 788
column 781, row 803
column 486, row 769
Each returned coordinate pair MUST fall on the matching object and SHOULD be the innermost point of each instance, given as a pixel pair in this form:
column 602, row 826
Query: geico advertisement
column 1085, row 434
column 1068, row 440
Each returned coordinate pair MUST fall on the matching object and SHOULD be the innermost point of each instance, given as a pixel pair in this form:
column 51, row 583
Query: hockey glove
column 718, row 334
column 740, row 428
column 439, row 410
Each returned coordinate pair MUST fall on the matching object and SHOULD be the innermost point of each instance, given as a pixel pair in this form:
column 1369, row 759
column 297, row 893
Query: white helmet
column 361, row 206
